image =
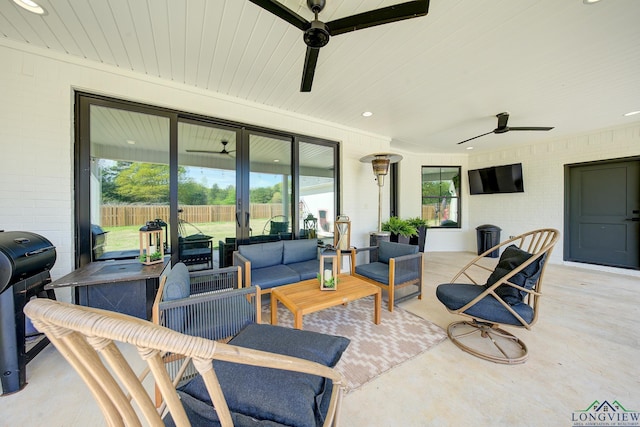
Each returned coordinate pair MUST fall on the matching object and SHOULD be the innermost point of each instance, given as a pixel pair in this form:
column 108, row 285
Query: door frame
column 566, row 256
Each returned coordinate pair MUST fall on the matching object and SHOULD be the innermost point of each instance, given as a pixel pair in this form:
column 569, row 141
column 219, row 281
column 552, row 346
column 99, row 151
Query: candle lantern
column 342, row 233
column 329, row 269
column 151, row 244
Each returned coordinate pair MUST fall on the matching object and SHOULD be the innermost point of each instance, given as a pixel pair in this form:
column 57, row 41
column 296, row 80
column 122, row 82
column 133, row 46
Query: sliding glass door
column 269, row 187
column 317, row 190
column 127, row 181
column 207, row 193
column 205, row 181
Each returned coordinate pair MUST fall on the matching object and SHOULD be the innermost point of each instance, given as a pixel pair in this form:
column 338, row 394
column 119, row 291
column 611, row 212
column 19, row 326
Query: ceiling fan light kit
column 503, row 119
column 316, row 34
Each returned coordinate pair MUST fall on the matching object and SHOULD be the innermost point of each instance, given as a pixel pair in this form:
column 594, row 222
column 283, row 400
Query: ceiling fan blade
column 310, row 60
column 214, row 153
column 398, row 12
column 530, row 128
column 467, row 140
column 282, row 12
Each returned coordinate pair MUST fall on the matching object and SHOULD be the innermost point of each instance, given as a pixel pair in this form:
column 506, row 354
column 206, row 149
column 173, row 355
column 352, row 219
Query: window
column 441, row 196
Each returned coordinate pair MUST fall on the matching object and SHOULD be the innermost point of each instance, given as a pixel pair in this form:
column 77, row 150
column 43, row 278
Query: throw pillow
column 512, row 258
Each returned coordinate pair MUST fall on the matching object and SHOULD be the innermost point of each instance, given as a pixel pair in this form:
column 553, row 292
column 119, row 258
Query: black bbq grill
column 25, row 261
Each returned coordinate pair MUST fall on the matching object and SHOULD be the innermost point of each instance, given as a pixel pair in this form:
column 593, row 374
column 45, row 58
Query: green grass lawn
column 128, row 237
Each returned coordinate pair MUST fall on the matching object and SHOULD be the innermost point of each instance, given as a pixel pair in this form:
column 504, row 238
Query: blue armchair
column 391, row 266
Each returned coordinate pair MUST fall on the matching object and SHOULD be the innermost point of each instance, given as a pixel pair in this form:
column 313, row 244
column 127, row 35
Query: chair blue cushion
column 379, row 272
column 511, row 258
column 262, row 255
column 276, row 275
column 265, row 396
column 387, row 250
column 455, row 296
column 299, row 250
column 306, row 269
column 177, row 285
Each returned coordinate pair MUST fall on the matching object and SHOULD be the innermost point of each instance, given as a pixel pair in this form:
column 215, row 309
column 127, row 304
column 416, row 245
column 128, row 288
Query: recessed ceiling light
column 31, row 6
column 632, row 113
column 367, row 114
column 131, row 142
column 590, row 1
column 469, row 148
column 276, row 160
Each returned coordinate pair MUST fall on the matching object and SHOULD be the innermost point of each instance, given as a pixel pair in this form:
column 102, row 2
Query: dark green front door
column 604, row 214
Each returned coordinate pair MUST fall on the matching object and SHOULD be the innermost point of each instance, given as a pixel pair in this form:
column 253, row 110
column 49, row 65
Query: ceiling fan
column 317, row 33
column 222, row 152
column 503, row 118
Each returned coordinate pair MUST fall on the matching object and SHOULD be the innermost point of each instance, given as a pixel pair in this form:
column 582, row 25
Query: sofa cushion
column 511, row 258
column 273, row 395
column 455, row 296
column 276, row 275
column 299, row 250
column 263, row 254
column 387, row 250
column 306, row 269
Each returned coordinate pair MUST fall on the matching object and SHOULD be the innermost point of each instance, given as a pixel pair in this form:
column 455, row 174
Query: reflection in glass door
column 317, row 191
column 270, row 192
column 129, row 179
column 206, row 194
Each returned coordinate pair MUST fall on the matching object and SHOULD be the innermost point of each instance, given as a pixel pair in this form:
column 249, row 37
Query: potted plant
column 400, row 229
column 421, row 226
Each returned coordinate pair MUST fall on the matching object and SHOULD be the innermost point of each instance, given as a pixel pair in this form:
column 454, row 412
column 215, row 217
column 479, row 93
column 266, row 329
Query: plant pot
column 399, row 238
column 420, row 239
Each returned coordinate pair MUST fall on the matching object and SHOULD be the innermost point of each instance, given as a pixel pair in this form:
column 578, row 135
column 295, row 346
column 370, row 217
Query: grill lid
column 23, row 254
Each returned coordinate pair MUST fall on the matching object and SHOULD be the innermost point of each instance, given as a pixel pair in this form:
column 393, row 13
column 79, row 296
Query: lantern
column 310, row 226
column 151, row 244
column 329, row 269
column 342, row 233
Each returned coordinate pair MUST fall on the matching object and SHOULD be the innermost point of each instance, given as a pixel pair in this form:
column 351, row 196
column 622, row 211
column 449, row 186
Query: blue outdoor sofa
column 272, row 264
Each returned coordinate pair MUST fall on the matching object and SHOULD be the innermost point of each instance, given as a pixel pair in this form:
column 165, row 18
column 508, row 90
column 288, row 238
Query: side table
column 124, row 286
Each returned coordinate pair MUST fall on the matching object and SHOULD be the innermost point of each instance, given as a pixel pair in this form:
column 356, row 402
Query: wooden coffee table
column 306, row 297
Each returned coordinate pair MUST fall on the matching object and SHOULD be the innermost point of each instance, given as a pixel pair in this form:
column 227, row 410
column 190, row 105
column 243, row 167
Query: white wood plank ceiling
column 430, row 82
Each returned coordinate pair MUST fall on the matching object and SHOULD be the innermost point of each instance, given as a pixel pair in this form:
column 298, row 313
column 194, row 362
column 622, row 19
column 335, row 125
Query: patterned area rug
column 374, row 349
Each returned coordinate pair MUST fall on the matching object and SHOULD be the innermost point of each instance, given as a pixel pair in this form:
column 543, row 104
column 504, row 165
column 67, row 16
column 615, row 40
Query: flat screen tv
column 496, row 179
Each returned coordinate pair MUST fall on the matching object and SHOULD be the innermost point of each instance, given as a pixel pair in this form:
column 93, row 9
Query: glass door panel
column 317, row 191
column 129, row 179
column 270, row 192
column 206, row 194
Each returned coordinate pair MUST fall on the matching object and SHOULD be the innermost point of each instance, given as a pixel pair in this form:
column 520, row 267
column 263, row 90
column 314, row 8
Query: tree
column 143, row 183
column 108, row 175
column 192, row 193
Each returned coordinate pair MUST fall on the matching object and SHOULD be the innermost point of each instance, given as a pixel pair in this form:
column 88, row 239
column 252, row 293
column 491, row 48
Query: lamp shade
column 380, row 163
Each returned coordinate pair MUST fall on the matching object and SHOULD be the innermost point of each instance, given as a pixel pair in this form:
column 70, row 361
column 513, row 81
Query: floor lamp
column 380, row 163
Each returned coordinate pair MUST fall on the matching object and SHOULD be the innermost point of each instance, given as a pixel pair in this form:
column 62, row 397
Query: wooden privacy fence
column 124, row 215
